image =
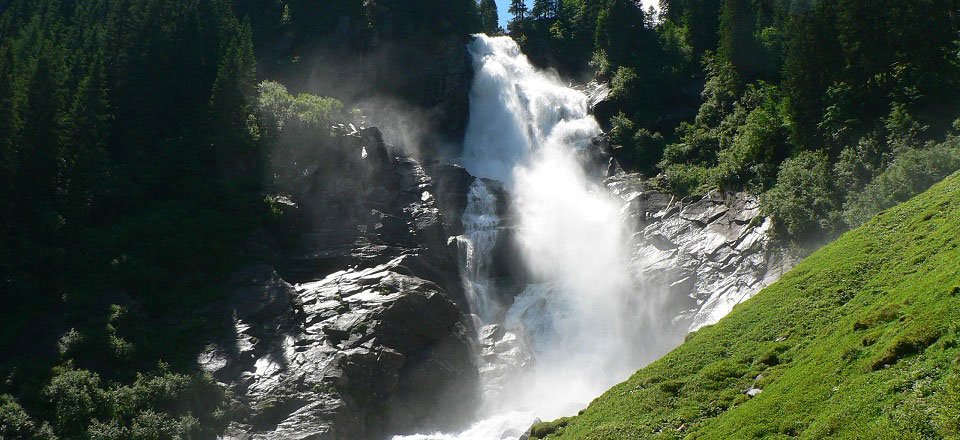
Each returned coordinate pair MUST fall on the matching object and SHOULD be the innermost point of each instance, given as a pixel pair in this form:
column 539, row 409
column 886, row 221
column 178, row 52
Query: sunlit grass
column 859, row 341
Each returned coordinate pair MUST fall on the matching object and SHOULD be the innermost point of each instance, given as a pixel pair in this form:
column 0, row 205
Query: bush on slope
column 858, row 341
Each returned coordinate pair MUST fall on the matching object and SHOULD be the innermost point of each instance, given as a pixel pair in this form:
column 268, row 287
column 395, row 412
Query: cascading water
column 481, row 225
column 582, row 319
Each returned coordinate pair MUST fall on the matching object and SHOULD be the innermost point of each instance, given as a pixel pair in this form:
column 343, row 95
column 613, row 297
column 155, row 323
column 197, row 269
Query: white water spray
column 531, row 132
column 481, row 226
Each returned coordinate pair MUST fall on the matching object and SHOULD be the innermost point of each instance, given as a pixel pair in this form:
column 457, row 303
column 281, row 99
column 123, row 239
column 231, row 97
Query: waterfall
column 581, row 320
column 480, row 225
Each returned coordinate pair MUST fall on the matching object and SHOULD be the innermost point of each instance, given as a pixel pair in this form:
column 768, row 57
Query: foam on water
column 530, row 131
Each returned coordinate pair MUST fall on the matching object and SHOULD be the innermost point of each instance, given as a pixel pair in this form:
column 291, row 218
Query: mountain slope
column 859, row 341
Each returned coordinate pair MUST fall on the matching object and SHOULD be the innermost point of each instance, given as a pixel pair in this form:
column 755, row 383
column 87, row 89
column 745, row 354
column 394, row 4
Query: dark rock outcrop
column 356, row 334
column 350, row 356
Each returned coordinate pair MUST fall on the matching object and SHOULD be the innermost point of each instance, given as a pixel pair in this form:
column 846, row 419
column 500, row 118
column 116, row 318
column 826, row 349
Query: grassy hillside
column 859, row 341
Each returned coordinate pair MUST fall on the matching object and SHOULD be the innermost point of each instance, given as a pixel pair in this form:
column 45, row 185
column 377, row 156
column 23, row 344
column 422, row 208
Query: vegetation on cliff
column 788, row 87
column 858, row 341
column 137, row 139
column 136, row 143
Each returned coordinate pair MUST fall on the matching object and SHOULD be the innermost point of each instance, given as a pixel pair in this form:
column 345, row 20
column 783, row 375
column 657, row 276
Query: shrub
column 543, row 429
column 719, row 375
column 16, row 424
column 684, row 179
column 671, row 387
column 913, row 341
column 803, row 201
column 151, row 425
column 169, row 401
column 758, row 148
column 910, row 174
column 76, row 398
column 163, row 405
column 641, row 148
column 622, row 130
column 278, row 109
column 886, row 314
column 624, row 84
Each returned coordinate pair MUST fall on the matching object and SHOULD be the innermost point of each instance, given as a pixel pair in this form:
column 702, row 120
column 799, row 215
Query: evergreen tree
column 618, row 31
column 650, row 18
column 8, row 163
column 42, row 144
column 490, row 17
column 812, row 57
column 702, row 21
column 543, row 9
column 737, row 42
column 87, row 133
column 518, row 8
column 8, row 129
column 230, row 109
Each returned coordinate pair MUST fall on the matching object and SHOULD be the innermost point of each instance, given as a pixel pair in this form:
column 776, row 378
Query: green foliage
column 739, row 136
column 490, row 17
column 161, row 405
column 76, row 397
column 890, row 275
column 911, row 173
column 295, row 127
column 130, row 164
column 854, row 81
column 640, row 147
column 543, row 429
column 804, row 201
column 16, row 424
column 910, row 342
column 614, row 39
column 758, row 147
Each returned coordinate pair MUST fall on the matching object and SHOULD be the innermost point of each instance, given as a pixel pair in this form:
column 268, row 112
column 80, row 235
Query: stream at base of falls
column 552, row 348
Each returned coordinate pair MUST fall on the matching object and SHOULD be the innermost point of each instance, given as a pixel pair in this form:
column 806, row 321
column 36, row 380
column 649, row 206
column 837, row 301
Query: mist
column 582, row 318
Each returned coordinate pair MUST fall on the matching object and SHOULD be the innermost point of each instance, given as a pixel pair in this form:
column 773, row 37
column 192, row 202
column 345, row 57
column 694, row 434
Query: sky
column 504, row 5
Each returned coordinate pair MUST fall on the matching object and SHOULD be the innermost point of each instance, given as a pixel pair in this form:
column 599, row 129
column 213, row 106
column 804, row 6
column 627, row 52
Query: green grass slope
column 858, row 341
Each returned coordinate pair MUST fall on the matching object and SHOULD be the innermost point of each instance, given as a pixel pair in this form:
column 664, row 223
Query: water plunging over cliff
column 480, row 224
column 532, row 133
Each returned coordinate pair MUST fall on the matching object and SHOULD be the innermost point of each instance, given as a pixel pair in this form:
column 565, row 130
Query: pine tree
column 490, row 17
column 230, row 111
column 8, row 147
column 650, row 18
column 87, row 132
column 702, row 20
column 41, row 152
column 544, row 9
column 737, row 42
column 519, row 10
column 618, row 29
column 809, row 67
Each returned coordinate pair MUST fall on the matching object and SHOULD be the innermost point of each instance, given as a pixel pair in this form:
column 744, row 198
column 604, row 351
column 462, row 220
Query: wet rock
column 348, row 356
column 357, row 334
column 503, row 354
column 702, row 255
column 452, row 184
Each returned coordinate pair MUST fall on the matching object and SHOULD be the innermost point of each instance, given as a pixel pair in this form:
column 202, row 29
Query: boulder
column 358, row 354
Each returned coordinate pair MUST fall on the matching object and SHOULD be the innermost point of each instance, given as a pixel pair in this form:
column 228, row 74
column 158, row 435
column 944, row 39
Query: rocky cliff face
column 352, row 331
column 702, row 255
column 353, row 324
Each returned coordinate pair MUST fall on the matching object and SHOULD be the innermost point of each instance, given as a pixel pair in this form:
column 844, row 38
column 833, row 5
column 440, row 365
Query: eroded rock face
column 503, row 356
column 346, row 357
column 704, row 255
column 352, row 330
column 355, row 326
